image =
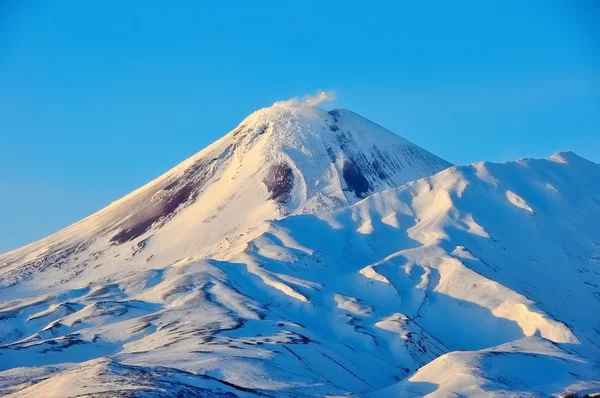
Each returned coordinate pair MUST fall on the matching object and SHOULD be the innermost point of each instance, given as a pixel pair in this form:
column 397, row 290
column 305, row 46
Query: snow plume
column 309, row 100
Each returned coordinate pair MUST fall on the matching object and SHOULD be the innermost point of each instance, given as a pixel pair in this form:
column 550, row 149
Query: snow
column 518, row 201
column 535, row 366
column 314, row 253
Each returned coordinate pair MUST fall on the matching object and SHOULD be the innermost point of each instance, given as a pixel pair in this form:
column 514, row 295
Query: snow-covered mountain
column 281, row 160
column 314, row 253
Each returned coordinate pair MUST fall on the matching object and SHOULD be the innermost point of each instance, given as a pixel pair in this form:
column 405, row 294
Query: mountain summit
column 310, row 253
column 285, row 159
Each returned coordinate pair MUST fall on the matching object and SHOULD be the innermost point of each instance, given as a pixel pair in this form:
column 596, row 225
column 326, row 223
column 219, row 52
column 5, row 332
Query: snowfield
column 314, row 253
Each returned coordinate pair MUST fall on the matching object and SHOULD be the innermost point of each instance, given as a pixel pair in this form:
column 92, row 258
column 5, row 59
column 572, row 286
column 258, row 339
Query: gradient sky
column 99, row 97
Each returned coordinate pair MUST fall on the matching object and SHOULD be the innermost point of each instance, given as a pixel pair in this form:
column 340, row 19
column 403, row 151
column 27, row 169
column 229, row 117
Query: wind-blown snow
column 314, row 253
column 319, row 98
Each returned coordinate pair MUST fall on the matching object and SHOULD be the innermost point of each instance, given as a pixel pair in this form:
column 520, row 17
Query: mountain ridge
column 278, row 160
column 383, row 292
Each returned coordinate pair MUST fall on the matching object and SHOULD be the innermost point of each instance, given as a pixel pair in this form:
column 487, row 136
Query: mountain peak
column 336, row 154
column 228, row 275
column 286, row 159
column 568, row 157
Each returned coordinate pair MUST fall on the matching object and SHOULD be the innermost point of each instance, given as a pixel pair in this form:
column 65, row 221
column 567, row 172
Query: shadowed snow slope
column 287, row 260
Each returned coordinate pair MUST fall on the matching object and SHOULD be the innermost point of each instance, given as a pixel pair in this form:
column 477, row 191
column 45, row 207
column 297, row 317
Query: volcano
column 315, row 253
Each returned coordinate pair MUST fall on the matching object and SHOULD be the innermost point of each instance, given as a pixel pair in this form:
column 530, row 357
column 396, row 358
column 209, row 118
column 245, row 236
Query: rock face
column 280, row 182
column 314, row 253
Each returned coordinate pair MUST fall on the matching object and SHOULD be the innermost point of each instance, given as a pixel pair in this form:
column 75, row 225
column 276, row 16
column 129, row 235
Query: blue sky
column 99, row 97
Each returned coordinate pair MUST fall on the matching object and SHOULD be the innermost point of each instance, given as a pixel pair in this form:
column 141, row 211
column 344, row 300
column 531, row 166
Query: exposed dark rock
column 162, row 209
column 379, row 170
column 171, row 185
column 331, row 155
column 279, row 181
column 355, row 180
column 239, row 130
column 62, row 343
column 177, row 193
column 343, row 139
column 141, row 245
column 262, row 129
column 55, row 257
column 335, row 114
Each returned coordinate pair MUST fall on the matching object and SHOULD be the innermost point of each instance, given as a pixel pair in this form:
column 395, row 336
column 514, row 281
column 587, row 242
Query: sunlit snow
column 315, row 253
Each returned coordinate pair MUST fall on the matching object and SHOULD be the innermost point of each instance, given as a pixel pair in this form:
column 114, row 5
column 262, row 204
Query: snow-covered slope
column 288, row 260
column 281, row 160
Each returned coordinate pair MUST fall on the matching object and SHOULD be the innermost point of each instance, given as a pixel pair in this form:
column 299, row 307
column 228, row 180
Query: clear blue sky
column 99, row 97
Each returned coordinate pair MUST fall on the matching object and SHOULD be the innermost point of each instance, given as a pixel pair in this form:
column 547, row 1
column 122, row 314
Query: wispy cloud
column 309, row 100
